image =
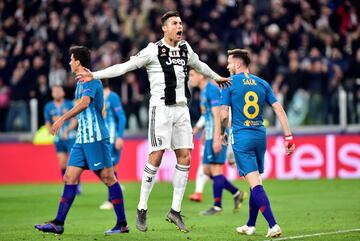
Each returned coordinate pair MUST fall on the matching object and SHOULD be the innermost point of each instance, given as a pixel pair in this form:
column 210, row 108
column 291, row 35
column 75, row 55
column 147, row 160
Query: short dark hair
column 168, row 15
column 241, row 54
column 82, row 54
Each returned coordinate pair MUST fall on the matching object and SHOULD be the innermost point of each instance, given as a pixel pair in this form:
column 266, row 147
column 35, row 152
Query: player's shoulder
column 94, row 85
column 213, row 87
column 183, row 43
column 260, row 80
column 151, row 48
column 257, row 78
column 94, row 82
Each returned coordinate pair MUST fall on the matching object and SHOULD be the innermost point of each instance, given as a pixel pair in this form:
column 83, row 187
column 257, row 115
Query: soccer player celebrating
column 65, row 139
column 115, row 121
column 91, row 149
column 214, row 153
column 166, row 62
column 246, row 97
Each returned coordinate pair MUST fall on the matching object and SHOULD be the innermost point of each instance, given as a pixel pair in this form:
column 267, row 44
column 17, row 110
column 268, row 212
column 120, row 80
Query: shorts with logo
column 249, row 151
column 93, row 156
column 64, row 145
column 209, row 156
column 170, row 128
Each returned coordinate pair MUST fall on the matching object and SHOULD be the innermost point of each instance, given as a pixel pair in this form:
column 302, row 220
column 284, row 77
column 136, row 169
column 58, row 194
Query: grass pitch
column 300, row 207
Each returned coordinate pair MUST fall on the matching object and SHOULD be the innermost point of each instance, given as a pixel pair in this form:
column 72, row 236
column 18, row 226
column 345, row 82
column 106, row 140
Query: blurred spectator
column 4, row 103
column 18, row 116
column 58, row 74
column 317, row 82
column 42, row 93
column 352, row 85
column 131, row 98
column 294, row 79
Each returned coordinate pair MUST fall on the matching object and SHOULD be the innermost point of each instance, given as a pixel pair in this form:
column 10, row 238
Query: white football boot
column 275, row 231
column 246, row 230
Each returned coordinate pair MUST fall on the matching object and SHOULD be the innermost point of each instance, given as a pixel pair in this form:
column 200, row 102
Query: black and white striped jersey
column 167, row 69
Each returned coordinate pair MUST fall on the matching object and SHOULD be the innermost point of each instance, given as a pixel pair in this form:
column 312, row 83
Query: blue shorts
column 64, row 145
column 93, row 156
column 209, row 157
column 115, row 155
column 249, row 153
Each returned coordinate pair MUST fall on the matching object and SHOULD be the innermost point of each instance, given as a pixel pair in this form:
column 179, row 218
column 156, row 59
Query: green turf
column 301, row 207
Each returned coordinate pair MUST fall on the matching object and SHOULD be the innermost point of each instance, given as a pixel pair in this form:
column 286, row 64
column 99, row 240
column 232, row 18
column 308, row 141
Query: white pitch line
column 317, row 234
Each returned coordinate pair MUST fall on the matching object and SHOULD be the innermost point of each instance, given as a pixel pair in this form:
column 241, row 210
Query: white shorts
column 169, row 128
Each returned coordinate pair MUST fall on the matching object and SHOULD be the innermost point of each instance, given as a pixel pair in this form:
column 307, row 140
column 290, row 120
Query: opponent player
column 115, row 121
column 65, row 139
column 166, row 62
column 91, row 149
column 246, row 97
column 214, row 153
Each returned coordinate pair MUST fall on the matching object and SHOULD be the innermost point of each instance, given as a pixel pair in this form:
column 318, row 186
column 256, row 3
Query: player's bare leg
column 63, row 159
column 147, row 183
column 180, row 179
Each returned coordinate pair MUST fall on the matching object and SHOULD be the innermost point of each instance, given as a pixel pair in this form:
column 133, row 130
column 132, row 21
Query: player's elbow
column 277, row 106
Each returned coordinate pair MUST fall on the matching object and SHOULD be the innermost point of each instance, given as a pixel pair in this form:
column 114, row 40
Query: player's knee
column 69, row 179
column 108, row 179
column 207, row 170
column 184, row 158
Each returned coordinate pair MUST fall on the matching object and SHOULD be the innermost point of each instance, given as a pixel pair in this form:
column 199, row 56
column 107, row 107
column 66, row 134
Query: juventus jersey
column 167, row 69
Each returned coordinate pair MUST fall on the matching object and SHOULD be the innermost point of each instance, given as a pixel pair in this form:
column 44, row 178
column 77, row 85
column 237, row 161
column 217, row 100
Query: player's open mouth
column 179, row 33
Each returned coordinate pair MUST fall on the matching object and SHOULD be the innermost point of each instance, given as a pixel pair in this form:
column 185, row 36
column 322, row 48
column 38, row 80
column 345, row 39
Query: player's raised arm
column 204, row 69
column 135, row 62
column 281, row 115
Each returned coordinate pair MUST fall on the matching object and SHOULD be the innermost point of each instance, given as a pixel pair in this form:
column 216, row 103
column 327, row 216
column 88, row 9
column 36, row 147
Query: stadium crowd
column 308, row 50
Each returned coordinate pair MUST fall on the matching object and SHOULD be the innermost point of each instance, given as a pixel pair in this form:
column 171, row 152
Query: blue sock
column 263, row 204
column 63, row 172
column 228, row 186
column 218, row 186
column 66, row 202
column 253, row 211
column 117, row 200
column 109, row 198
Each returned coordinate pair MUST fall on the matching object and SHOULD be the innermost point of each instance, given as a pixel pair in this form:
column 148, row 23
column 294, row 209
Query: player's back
column 113, row 105
column 247, row 96
column 209, row 98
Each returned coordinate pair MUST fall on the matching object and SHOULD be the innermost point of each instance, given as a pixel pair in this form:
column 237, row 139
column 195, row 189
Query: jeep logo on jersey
column 176, row 61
